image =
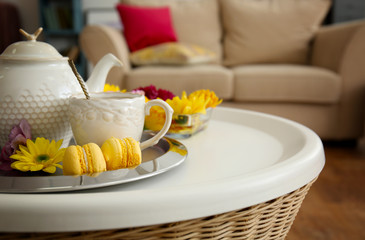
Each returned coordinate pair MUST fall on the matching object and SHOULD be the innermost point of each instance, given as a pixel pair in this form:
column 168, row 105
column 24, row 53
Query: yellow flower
column 156, row 118
column 111, row 88
column 209, row 96
column 39, row 155
column 185, row 105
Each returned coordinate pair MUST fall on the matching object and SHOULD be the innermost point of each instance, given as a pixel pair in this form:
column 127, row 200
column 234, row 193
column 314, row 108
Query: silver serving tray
column 165, row 155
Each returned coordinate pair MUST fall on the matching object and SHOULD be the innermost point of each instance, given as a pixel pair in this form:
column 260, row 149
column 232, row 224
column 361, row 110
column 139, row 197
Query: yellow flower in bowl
column 191, row 113
column 211, row 100
column 187, row 105
column 156, row 119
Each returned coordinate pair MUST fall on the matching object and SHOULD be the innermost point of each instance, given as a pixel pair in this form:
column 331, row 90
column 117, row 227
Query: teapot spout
column 96, row 81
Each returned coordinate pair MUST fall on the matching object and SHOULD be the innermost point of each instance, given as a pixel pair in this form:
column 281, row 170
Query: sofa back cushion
column 270, row 31
column 195, row 21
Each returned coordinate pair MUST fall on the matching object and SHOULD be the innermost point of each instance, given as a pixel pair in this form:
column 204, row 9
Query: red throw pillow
column 145, row 27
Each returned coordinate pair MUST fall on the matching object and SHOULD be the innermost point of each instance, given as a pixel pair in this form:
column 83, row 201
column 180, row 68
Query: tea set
column 38, row 84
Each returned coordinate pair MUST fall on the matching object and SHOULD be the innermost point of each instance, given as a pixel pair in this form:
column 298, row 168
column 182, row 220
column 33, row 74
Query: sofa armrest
column 341, row 48
column 98, row 40
column 333, row 40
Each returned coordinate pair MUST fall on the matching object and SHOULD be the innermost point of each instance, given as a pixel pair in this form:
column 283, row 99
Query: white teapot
column 36, row 83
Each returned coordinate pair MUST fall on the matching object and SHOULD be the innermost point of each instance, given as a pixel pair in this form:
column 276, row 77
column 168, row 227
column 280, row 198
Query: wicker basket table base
column 268, row 220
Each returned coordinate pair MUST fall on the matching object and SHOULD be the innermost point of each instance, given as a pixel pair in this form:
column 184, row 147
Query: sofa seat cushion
column 196, row 22
column 269, row 31
column 286, row 83
column 188, row 78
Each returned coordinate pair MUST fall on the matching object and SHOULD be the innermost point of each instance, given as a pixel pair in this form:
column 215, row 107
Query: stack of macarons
column 90, row 158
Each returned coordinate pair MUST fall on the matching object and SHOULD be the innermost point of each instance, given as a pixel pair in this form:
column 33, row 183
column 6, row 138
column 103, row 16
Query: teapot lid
column 31, row 49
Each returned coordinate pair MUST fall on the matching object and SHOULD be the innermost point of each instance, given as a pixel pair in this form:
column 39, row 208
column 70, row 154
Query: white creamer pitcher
column 114, row 114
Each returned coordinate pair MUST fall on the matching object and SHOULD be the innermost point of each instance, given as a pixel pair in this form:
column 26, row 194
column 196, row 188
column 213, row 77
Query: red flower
column 165, row 94
column 5, row 161
column 152, row 93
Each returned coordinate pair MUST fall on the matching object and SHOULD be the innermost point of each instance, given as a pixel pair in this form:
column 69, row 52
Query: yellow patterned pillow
column 172, row 53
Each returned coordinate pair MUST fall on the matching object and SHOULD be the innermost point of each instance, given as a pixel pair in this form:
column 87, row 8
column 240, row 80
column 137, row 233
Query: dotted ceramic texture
column 46, row 115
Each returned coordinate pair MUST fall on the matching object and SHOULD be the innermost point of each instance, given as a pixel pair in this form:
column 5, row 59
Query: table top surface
column 241, row 159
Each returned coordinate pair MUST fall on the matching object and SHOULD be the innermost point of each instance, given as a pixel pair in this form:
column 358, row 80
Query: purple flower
column 22, row 128
column 18, row 136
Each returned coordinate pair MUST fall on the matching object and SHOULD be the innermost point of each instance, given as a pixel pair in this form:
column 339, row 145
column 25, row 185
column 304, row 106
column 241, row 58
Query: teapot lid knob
column 31, row 49
column 31, row 37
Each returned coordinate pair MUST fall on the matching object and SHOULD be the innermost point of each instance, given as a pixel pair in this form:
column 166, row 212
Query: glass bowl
column 182, row 125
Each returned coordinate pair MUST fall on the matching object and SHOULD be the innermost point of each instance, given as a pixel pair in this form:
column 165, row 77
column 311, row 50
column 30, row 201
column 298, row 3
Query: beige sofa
column 284, row 64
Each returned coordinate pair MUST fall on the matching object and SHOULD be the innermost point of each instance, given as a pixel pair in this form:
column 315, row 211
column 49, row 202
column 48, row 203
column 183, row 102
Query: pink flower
column 140, row 92
column 18, row 136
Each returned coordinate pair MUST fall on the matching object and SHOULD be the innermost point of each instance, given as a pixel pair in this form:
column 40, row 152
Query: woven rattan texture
column 270, row 221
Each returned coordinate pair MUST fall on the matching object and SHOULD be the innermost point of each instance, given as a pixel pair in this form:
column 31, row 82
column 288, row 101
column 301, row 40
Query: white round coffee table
column 242, row 159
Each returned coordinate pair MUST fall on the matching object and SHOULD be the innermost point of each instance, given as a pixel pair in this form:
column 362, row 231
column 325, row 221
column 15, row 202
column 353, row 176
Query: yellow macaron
column 134, row 152
column 81, row 160
column 73, row 161
column 115, row 153
column 121, row 153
